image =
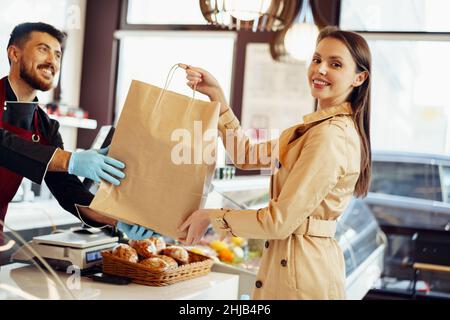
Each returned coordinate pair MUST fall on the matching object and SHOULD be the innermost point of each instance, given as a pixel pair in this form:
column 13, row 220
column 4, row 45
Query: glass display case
column 358, row 233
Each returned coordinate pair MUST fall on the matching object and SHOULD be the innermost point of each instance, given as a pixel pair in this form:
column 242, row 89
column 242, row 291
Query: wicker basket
column 200, row 265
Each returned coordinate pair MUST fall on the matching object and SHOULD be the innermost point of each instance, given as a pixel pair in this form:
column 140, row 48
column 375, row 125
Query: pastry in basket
column 144, row 248
column 159, row 243
column 180, row 254
column 125, row 252
column 160, row 263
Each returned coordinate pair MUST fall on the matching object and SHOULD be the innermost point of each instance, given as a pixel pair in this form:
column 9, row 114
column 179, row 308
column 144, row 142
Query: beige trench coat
column 314, row 177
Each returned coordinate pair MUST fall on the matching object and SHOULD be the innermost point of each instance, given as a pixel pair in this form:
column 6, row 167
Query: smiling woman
column 333, row 77
column 318, row 165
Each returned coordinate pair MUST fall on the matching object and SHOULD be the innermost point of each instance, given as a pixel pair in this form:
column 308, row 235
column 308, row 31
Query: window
column 406, row 180
column 399, row 15
column 165, row 12
column 148, row 56
column 409, row 87
column 409, row 41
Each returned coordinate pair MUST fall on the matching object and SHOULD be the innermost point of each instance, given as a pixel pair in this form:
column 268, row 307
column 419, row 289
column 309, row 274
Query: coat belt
column 317, row 228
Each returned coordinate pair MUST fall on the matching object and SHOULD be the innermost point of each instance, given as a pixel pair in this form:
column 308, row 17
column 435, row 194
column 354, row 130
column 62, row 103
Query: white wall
column 73, row 54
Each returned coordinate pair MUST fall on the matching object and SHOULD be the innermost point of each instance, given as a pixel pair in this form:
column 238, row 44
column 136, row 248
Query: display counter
column 358, row 234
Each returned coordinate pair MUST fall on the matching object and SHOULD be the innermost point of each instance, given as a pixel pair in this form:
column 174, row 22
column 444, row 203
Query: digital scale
column 80, row 248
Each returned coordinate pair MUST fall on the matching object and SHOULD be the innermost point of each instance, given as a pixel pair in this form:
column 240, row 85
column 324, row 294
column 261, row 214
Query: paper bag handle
column 167, row 83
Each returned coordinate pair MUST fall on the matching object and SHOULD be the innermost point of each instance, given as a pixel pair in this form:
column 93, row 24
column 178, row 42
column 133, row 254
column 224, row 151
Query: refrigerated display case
column 358, row 233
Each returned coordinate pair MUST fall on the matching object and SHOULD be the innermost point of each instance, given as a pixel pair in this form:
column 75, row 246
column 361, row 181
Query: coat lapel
column 293, row 133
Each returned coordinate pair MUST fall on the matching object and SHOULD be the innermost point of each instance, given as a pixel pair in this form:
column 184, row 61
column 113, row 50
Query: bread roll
column 144, row 248
column 170, row 261
column 160, row 263
column 125, row 252
column 178, row 253
column 159, row 243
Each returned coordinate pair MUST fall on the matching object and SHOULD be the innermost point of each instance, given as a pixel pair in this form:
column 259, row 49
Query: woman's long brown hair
column 359, row 99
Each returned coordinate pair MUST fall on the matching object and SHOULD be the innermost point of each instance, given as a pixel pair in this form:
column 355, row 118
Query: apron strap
column 36, row 137
column 2, row 97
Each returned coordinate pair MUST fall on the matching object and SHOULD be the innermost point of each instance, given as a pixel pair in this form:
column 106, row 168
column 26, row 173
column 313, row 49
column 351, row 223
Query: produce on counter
column 231, row 250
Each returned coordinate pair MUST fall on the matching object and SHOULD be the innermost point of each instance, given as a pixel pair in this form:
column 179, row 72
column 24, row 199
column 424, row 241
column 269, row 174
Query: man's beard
column 31, row 78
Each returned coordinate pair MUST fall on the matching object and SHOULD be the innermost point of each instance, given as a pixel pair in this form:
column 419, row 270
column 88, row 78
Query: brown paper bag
column 159, row 138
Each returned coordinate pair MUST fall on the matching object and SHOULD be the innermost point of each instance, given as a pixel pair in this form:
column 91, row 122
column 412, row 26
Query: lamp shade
column 253, row 15
column 300, row 41
column 247, row 10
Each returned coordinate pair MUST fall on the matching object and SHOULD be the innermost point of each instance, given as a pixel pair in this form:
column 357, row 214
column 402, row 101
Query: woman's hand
column 197, row 224
column 204, row 82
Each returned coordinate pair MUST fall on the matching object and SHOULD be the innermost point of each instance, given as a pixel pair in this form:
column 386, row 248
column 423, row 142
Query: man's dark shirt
column 31, row 160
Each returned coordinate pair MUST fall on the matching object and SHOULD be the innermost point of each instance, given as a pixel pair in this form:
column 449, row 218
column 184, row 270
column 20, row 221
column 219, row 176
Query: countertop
column 22, row 281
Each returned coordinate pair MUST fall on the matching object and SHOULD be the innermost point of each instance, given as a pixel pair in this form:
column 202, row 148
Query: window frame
column 394, row 35
column 237, row 74
column 121, row 34
column 124, row 25
column 100, row 67
column 238, row 65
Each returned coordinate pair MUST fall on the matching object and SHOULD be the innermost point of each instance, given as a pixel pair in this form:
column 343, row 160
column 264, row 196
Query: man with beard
column 32, row 147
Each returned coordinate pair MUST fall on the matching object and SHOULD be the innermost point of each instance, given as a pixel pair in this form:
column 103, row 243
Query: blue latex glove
column 95, row 165
column 134, row 231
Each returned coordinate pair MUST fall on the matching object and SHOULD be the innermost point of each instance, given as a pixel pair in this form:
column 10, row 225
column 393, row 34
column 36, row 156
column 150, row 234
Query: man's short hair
column 21, row 33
